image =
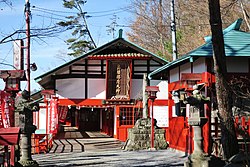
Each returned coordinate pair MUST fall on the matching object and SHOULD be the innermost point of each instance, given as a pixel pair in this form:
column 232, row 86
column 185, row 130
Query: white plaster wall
column 78, row 67
column 136, row 62
column 199, row 65
column 174, row 75
column 163, row 87
column 185, row 68
column 95, row 69
column 140, row 69
column 42, row 118
column 241, row 65
column 96, row 88
column 71, row 88
column 136, row 88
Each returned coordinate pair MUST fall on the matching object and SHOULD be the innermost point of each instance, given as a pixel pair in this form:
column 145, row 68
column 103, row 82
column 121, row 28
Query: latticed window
column 129, row 115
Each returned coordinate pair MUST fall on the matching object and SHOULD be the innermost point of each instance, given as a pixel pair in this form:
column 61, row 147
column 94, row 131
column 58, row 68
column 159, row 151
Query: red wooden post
column 243, row 123
column 236, row 125
column 152, row 125
column 12, row 155
column 248, row 133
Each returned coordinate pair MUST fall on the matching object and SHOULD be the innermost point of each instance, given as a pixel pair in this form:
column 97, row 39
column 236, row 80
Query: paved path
column 85, row 145
column 119, row 158
column 96, row 149
column 105, row 152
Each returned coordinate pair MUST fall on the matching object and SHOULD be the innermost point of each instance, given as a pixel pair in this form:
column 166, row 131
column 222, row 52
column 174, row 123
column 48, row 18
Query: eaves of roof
column 170, row 65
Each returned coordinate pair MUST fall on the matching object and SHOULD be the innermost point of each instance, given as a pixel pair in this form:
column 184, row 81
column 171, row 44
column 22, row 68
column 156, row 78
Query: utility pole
column 27, row 16
column 173, row 30
column 24, row 107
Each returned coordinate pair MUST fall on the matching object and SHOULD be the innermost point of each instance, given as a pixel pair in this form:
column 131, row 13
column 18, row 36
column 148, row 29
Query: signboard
column 6, row 113
column 53, row 115
column 1, row 108
column 63, row 111
column 18, row 54
column 161, row 115
column 5, row 109
column 191, row 76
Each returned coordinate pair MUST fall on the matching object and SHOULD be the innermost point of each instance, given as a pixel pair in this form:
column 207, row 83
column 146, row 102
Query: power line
column 49, row 17
column 53, row 12
column 108, row 14
column 49, row 13
column 60, row 11
column 57, row 11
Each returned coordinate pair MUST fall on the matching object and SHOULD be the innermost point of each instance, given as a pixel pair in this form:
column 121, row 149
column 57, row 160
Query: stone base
column 152, row 149
column 139, row 137
column 28, row 163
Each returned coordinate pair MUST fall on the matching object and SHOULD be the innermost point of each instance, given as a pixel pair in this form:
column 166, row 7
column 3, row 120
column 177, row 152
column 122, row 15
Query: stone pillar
column 197, row 139
column 25, row 139
column 197, row 120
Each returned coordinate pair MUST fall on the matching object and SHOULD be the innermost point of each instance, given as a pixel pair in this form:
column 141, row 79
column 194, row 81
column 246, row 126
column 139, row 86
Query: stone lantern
column 197, row 120
column 24, row 107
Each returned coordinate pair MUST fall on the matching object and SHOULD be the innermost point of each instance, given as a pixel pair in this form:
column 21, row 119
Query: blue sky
column 47, row 12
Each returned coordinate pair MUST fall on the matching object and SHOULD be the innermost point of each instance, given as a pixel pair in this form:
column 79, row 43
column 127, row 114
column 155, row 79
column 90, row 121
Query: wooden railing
column 242, row 127
column 41, row 143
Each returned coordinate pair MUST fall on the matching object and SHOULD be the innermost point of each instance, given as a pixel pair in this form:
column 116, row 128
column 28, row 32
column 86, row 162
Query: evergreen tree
column 82, row 41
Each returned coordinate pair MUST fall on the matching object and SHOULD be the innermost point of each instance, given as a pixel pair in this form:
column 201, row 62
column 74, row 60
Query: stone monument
column 24, row 107
column 139, row 136
column 197, row 120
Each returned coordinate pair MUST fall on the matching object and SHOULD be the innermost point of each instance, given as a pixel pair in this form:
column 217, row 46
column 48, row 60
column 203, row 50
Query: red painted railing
column 41, row 143
column 242, row 127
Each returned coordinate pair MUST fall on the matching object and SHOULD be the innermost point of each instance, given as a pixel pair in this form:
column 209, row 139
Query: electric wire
column 50, row 13
column 60, row 11
column 53, row 12
column 49, row 17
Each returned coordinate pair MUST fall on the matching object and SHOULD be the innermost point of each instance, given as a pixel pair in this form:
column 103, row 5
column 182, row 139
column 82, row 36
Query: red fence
column 242, row 126
column 41, row 143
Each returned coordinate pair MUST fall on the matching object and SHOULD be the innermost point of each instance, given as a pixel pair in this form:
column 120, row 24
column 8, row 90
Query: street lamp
column 152, row 90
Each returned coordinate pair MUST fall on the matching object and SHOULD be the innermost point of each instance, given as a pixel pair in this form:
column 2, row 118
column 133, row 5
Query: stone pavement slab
column 114, row 158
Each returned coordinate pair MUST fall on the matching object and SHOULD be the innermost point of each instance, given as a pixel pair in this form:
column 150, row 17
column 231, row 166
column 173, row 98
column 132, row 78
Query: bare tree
column 39, row 33
column 151, row 27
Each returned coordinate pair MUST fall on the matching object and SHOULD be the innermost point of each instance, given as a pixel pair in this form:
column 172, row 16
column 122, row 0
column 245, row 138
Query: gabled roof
column 102, row 51
column 237, row 43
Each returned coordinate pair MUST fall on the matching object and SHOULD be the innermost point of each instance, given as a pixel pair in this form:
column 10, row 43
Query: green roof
column 237, row 43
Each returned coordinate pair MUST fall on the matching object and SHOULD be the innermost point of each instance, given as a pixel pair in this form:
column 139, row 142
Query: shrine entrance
column 89, row 119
